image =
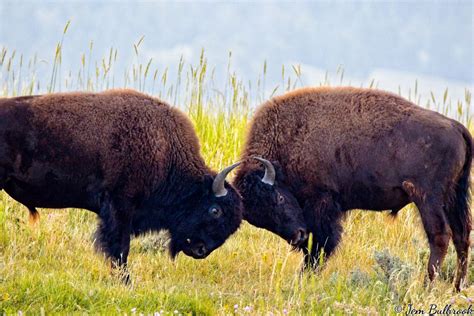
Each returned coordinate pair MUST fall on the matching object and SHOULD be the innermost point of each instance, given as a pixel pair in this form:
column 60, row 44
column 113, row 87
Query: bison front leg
column 113, row 237
column 323, row 217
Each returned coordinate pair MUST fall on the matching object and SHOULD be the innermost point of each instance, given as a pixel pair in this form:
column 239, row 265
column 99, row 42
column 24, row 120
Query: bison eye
column 281, row 199
column 215, row 211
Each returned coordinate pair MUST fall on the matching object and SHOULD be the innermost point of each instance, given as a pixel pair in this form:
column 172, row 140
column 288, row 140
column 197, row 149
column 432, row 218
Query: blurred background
column 394, row 44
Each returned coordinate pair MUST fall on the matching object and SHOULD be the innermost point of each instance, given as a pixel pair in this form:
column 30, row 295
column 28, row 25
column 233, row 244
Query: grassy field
column 52, row 267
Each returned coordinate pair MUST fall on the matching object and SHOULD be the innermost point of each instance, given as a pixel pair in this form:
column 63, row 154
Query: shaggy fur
column 348, row 148
column 128, row 157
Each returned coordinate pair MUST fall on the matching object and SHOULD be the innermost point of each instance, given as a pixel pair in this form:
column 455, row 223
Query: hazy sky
column 403, row 39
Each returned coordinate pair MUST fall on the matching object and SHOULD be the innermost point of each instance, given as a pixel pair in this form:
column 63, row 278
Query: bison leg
column 324, row 222
column 438, row 237
column 435, row 224
column 460, row 223
column 461, row 244
column 113, row 237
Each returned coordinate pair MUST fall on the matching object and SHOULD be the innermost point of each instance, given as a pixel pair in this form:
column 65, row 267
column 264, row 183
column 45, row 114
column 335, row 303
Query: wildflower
column 176, row 311
column 285, row 311
column 236, row 306
column 247, row 308
column 134, row 310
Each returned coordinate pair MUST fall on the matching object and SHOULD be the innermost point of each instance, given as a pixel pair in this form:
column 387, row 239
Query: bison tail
column 462, row 194
column 34, row 215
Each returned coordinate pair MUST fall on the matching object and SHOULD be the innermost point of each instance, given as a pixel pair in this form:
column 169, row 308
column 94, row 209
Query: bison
column 131, row 159
column 337, row 149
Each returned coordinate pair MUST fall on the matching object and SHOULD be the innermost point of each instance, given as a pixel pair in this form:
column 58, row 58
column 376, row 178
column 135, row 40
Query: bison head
column 211, row 213
column 269, row 204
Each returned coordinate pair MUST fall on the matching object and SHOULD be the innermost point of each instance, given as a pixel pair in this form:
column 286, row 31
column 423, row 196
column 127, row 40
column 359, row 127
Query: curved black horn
column 218, row 185
column 269, row 177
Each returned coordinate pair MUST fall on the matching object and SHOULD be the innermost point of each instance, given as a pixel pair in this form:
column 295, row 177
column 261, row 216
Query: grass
column 52, row 268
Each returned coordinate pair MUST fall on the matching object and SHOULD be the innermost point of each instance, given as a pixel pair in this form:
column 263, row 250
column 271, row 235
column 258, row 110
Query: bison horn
column 218, row 185
column 269, row 176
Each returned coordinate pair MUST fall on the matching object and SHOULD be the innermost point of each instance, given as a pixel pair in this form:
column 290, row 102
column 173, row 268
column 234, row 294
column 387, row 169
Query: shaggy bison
column 128, row 157
column 337, row 149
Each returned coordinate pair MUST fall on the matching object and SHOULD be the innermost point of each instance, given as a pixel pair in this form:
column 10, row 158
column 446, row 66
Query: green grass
column 52, row 267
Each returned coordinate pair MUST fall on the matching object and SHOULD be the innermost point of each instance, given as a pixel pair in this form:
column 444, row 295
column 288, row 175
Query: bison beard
column 348, row 148
column 324, row 215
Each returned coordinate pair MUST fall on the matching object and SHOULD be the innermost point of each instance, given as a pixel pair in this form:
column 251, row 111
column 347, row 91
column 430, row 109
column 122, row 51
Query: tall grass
column 52, row 267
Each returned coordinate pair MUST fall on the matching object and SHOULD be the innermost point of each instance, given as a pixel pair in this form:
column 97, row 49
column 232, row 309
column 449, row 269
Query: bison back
column 359, row 143
column 59, row 150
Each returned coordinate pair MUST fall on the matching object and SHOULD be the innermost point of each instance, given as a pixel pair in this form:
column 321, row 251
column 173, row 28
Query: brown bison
column 337, row 149
column 128, row 157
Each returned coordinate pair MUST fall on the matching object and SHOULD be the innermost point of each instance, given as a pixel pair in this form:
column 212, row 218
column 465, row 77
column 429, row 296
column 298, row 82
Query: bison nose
column 199, row 250
column 300, row 236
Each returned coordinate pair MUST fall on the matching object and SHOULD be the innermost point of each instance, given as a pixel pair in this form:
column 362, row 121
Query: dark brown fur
column 347, row 148
column 130, row 158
